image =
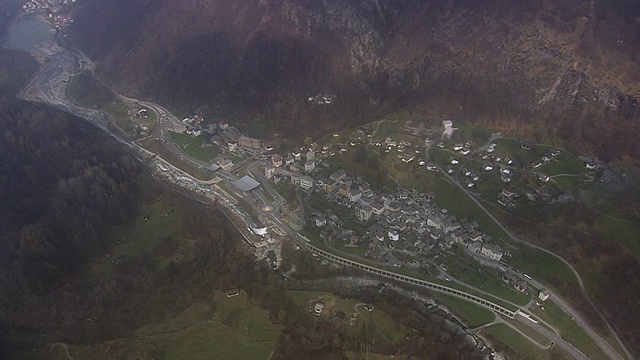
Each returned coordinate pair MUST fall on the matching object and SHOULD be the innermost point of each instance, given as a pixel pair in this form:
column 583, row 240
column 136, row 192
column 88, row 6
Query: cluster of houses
column 545, row 158
column 322, row 99
column 389, row 218
column 50, row 5
column 504, row 163
column 293, row 168
column 402, row 215
column 491, row 162
column 507, row 199
column 221, row 134
column 448, row 129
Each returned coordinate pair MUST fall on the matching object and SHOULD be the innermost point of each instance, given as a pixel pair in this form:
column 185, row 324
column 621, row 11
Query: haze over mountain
column 567, row 69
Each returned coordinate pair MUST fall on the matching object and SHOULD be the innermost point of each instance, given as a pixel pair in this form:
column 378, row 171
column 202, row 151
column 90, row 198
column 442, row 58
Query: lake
column 28, row 34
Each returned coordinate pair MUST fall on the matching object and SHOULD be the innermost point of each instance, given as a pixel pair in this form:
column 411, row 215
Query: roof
column 213, row 167
column 259, row 231
column 246, row 183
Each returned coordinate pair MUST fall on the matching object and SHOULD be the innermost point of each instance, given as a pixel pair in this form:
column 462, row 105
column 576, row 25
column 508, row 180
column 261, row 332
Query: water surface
column 29, row 35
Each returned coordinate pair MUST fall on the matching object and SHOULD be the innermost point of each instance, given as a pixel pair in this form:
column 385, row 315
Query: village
column 394, row 226
column 405, row 219
column 386, row 198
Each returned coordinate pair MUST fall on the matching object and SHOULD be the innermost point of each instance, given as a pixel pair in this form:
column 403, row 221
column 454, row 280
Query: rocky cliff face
column 568, row 68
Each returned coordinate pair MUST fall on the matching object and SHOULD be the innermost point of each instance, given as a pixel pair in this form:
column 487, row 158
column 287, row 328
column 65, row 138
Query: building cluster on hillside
column 57, row 18
column 545, row 158
column 403, row 214
column 221, row 134
column 390, row 218
column 322, row 99
column 53, row 6
column 295, row 166
column 448, row 129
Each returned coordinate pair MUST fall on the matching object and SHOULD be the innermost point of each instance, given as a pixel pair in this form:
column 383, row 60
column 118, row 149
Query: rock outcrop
column 543, row 66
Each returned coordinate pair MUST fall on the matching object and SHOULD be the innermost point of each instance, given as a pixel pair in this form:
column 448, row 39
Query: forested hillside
column 67, row 190
column 62, row 183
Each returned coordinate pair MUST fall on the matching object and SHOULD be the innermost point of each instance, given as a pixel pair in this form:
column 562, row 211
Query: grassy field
column 540, row 339
column 569, row 329
column 450, row 197
column 246, row 319
column 379, row 324
column 192, row 146
column 119, row 114
column 543, row 265
column 566, row 182
column 564, row 164
column 369, row 168
column 622, row 232
column 157, row 223
column 199, row 332
column 359, row 250
column 353, row 355
column 472, row 314
column 385, row 128
column 375, row 324
column 410, row 175
column 89, row 92
column 506, row 336
column 496, row 287
column 466, row 132
column 320, row 203
column 485, row 281
column 151, row 119
column 159, row 148
column 288, row 192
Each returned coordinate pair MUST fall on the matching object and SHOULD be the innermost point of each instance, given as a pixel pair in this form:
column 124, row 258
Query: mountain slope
column 568, row 68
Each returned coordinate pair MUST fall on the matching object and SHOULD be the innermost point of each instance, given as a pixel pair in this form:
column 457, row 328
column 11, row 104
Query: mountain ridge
column 565, row 68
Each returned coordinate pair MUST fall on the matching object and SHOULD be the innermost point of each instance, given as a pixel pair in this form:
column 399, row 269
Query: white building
column 364, row 212
column 276, row 160
column 354, row 195
column 289, row 160
column 310, row 165
column 269, row 171
column 311, row 155
column 493, row 252
column 435, row 222
column 306, row 182
column 178, row 127
column 321, row 220
column 448, row 129
column 543, row 294
column 226, row 164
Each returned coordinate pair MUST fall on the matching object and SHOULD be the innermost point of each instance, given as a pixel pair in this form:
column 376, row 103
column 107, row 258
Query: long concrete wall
column 408, row 279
